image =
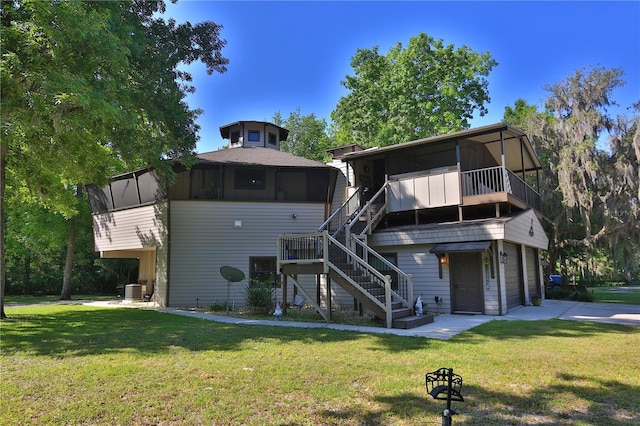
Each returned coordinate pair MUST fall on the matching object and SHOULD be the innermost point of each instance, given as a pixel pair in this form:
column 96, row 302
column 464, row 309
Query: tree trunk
column 3, row 174
column 71, row 248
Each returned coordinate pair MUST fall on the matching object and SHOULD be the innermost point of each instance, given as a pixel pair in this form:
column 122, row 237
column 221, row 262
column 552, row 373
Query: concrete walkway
column 446, row 326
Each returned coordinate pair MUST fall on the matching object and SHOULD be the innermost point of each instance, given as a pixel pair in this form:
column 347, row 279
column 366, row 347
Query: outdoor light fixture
column 442, row 260
column 504, row 257
column 531, row 229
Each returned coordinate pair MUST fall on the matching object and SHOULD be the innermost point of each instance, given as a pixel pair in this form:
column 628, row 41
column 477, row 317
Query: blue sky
column 293, row 54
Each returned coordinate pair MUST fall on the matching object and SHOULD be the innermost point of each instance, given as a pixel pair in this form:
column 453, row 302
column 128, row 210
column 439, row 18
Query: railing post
column 325, row 251
column 347, row 238
column 279, row 249
column 507, row 183
column 387, row 300
column 410, row 290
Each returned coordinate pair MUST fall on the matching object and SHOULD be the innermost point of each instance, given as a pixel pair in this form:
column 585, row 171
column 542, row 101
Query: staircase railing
column 321, row 247
column 370, row 215
column 339, row 218
column 339, row 251
column 404, row 284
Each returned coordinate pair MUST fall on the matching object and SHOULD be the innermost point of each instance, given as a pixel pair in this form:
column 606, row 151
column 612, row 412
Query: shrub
column 218, row 306
column 259, row 294
column 561, row 293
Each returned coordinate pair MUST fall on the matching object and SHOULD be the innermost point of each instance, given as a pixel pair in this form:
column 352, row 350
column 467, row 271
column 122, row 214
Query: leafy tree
column 35, row 241
column 425, row 89
column 91, row 88
column 590, row 195
column 307, row 135
column 624, row 201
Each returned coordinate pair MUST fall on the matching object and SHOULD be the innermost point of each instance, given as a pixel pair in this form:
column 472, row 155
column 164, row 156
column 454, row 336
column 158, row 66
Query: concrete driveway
column 446, row 326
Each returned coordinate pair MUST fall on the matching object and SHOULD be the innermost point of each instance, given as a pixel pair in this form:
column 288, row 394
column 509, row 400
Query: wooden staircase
column 355, row 280
column 344, row 259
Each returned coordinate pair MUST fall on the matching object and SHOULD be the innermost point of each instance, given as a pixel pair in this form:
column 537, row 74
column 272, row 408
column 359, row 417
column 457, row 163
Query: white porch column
column 525, row 275
column 502, row 281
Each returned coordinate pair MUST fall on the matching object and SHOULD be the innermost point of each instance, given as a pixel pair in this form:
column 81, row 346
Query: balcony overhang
column 519, row 154
column 471, row 246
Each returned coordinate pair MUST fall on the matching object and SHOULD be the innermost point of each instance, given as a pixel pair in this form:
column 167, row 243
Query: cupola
column 254, row 133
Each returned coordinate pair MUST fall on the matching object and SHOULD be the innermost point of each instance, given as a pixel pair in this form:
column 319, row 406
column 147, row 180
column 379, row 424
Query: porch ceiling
column 517, row 157
column 519, row 154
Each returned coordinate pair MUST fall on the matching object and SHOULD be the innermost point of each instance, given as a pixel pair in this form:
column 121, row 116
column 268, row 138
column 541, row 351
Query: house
column 226, row 210
column 453, row 219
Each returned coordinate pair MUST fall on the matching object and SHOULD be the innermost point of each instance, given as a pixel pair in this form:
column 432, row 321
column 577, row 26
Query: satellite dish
column 232, row 275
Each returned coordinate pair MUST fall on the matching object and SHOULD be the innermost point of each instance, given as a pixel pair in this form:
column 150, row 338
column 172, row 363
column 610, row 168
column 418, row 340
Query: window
column 263, row 269
column 250, row 179
column 273, row 140
column 254, row 136
column 235, row 136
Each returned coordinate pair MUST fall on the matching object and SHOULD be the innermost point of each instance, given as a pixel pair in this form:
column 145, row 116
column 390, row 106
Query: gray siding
column 479, row 232
column 417, row 261
column 518, row 230
column 204, row 237
column 133, row 228
column 124, row 233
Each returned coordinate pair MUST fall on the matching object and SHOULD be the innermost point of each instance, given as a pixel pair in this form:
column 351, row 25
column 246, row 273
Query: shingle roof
column 257, row 156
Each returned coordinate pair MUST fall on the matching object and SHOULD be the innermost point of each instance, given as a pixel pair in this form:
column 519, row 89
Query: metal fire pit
column 443, row 384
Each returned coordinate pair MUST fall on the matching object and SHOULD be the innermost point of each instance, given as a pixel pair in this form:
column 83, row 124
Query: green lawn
column 71, row 364
column 624, row 294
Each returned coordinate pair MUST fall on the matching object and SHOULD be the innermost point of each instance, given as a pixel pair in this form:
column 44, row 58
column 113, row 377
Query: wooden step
column 412, row 321
column 401, row 313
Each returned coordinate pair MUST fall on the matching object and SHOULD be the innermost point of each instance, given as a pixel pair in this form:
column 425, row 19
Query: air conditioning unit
column 133, row 292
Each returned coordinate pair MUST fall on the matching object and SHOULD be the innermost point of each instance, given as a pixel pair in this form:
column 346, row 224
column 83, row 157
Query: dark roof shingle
column 257, row 156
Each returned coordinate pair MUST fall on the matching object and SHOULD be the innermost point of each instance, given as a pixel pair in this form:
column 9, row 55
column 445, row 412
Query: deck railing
column 498, row 179
column 520, row 189
column 301, row 248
